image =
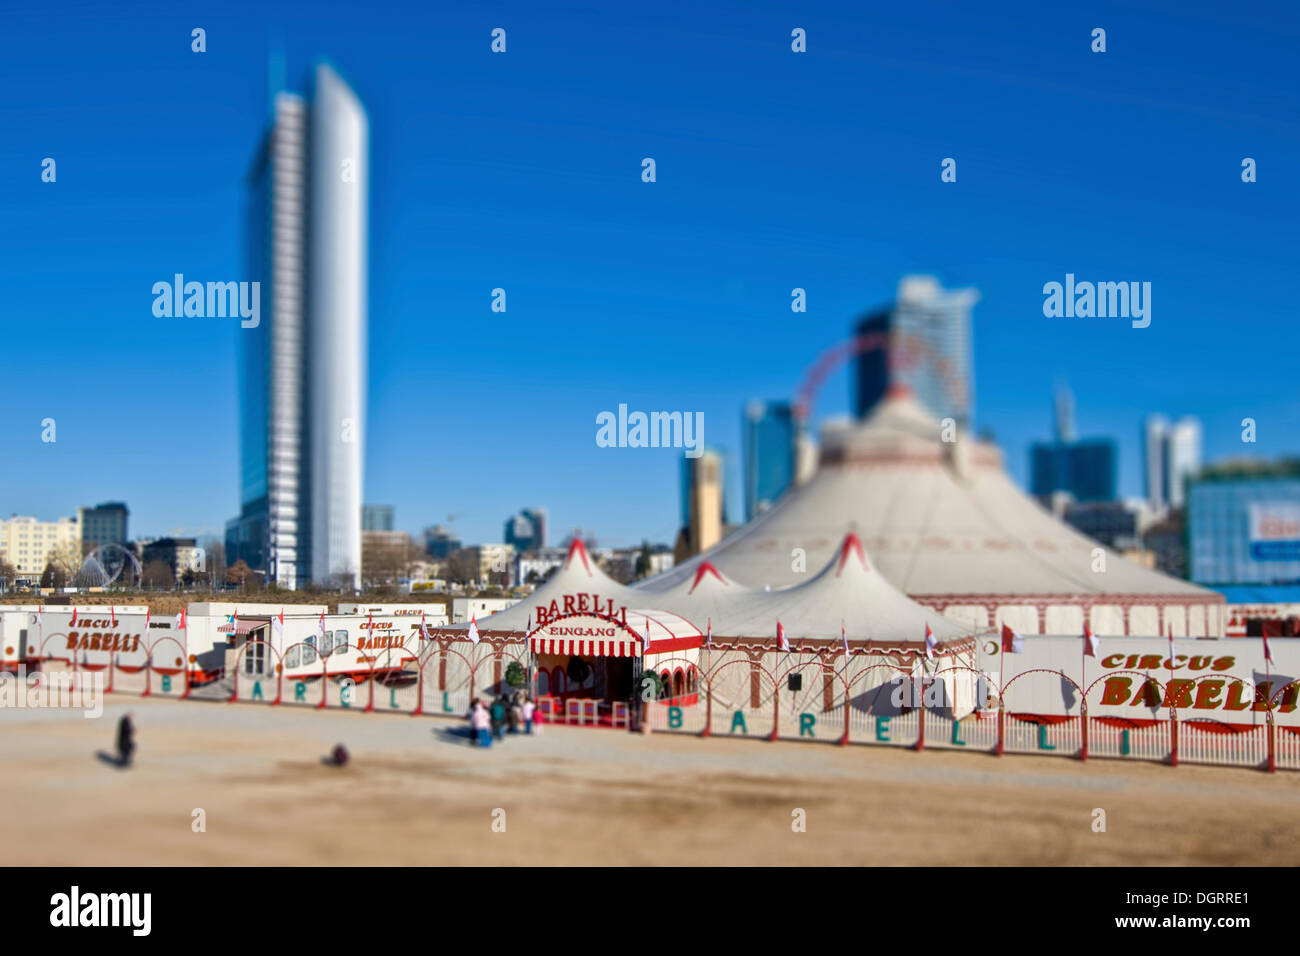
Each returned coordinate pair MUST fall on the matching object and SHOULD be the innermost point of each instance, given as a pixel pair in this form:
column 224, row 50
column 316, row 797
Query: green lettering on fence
column 166, row 683
column 446, row 706
column 300, row 691
column 674, row 717
column 956, row 731
column 739, row 718
column 807, row 722
column 1123, row 743
column 1042, row 738
column 257, row 690
column 392, row 697
column 882, row 729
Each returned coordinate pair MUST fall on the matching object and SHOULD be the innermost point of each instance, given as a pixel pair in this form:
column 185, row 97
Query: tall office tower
column 376, row 517
column 922, row 340
column 302, row 369
column 704, row 507
column 1182, row 458
column 1155, row 432
column 1171, row 455
column 770, row 454
column 1063, row 408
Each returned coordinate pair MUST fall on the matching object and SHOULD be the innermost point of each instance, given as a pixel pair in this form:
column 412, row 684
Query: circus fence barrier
column 870, row 699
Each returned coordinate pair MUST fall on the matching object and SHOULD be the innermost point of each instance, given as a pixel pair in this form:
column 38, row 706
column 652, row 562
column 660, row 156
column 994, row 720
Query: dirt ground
column 416, row 793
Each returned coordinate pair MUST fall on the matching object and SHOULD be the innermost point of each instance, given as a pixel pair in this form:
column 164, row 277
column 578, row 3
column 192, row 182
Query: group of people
column 502, row 716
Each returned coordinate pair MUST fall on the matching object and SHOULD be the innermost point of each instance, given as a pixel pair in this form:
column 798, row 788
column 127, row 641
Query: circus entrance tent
column 848, row 632
column 944, row 523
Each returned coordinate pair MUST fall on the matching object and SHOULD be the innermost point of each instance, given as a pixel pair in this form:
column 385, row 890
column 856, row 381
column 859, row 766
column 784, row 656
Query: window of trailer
column 293, row 657
column 327, row 646
column 340, row 642
column 309, row 652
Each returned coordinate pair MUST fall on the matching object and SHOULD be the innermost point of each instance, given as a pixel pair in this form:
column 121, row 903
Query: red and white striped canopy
column 586, row 647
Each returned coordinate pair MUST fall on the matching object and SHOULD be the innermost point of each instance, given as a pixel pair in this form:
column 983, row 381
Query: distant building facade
column 376, row 518
column 526, row 531
column 103, row 524
column 1243, row 525
column 922, row 340
column 26, row 543
column 771, row 453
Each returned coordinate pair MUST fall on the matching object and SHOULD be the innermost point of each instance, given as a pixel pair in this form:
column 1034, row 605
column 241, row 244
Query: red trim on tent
column 705, row 568
column 852, row 544
column 580, row 550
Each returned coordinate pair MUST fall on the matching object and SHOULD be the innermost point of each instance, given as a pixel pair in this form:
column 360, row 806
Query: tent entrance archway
column 603, row 678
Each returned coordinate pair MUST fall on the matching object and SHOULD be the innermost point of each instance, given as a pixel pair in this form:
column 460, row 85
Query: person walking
column 498, row 718
column 526, row 711
column 125, row 739
column 479, row 722
column 516, row 715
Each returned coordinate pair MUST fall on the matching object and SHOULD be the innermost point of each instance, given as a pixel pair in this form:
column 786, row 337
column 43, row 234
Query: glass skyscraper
column 770, row 449
column 302, row 370
column 921, row 340
column 1243, row 525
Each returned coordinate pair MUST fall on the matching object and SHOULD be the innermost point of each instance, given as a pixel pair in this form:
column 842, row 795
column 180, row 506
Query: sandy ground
column 417, row 794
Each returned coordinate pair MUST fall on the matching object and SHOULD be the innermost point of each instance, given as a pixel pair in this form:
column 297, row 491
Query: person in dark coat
column 498, row 713
column 125, row 739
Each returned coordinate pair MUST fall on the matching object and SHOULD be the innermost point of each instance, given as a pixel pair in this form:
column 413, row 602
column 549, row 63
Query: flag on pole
column 647, row 636
column 1171, row 646
column 844, row 639
column 473, row 629
column 233, row 621
column 320, row 629
column 423, row 634
column 73, row 622
column 1268, row 654
column 112, row 614
column 708, row 637
column 930, row 642
column 180, row 620
column 781, row 639
column 1012, row 643
column 1091, row 642
column 277, row 627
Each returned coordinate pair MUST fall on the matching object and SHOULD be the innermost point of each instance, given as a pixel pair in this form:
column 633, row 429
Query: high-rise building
column 440, row 543
column 303, row 368
column 1171, row 456
column 526, row 531
column 770, row 453
column 376, row 518
column 704, row 515
column 921, row 340
column 103, row 524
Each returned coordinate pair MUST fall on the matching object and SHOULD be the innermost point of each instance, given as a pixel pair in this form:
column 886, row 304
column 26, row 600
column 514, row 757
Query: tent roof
column 939, row 518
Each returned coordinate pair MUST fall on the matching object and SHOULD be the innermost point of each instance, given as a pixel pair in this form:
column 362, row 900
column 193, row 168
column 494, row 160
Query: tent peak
column 579, row 549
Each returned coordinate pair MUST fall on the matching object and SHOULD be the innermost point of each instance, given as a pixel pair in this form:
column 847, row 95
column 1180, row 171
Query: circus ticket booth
column 588, row 666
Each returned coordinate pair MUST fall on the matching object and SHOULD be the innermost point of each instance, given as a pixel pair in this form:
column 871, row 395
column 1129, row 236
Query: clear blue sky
column 522, row 170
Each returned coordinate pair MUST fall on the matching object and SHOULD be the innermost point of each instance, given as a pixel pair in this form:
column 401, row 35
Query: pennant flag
column 930, row 642
column 277, row 626
column 320, row 629
column 647, row 636
column 1268, row 654
column 1012, row 643
column 528, row 624
column 233, row 620
column 473, row 629
column 180, row 620
column 708, row 637
column 112, row 614
column 780, row 638
column 1171, row 646
column 844, row 639
column 1091, row 642
column 424, row 635
column 73, row 622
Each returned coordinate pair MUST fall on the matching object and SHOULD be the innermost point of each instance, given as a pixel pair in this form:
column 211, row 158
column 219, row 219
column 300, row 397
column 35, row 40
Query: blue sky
column 522, row 171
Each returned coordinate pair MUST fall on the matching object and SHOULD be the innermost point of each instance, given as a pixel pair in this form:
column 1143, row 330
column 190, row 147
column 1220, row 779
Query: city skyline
column 509, row 172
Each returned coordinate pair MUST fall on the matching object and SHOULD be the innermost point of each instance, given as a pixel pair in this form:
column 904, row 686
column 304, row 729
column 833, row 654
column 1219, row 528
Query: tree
column 238, row 573
column 158, row 574
column 53, row 576
column 66, row 558
column 8, row 574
